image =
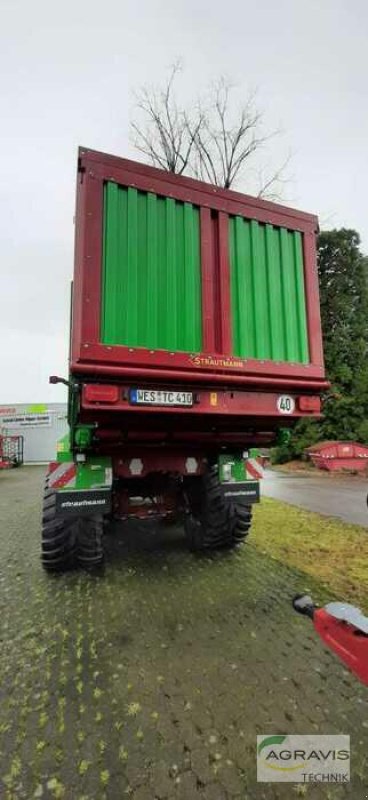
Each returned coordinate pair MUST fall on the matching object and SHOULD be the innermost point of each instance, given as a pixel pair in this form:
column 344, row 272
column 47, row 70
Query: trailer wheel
column 59, row 536
column 243, row 521
column 212, row 521
column 90, row 551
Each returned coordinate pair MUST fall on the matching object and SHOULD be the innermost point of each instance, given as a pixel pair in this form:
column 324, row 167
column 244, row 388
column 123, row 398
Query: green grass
column 331, row 551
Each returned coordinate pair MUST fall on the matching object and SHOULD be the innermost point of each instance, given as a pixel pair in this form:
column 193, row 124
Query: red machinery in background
column 343, row 628
column 11, row 451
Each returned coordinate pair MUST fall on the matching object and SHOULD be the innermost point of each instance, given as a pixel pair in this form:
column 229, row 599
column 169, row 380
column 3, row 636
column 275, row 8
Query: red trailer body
column 216, row 361
column 229, row 388
column 195, row 335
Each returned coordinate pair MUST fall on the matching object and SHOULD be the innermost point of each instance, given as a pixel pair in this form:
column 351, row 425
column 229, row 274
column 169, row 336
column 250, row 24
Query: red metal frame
column 111, row 440
column 11, row 456
column 208, row 283
column 235, row 418
column 235, row 403
column 254, row 378
column 312, row 299
column 224, row 305
column 156, row 460
column 345, row 640
column 215, row 363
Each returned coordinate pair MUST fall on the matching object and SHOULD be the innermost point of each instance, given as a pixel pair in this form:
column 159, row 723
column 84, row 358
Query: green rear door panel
column 151, row 291
column 267, row 292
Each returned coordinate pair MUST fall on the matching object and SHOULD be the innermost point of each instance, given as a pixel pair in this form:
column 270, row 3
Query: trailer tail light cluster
column 309, row 403
column 101, row 393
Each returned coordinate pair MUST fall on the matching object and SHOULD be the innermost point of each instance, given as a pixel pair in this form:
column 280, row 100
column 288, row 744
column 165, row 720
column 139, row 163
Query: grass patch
column 330, row 550
column 298, row 466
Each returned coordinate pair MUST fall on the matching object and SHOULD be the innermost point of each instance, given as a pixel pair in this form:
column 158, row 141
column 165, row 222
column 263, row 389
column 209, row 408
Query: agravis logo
column 303, row 759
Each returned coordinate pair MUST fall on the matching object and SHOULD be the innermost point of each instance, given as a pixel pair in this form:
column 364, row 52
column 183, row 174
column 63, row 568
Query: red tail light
column 100, row 393
column 309, row 403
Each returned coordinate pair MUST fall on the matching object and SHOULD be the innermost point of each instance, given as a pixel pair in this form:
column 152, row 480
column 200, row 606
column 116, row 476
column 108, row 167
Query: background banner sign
column 26, row 421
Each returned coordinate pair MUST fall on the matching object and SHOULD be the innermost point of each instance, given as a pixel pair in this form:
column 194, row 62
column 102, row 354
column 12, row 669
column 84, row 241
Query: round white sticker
column 285, row 404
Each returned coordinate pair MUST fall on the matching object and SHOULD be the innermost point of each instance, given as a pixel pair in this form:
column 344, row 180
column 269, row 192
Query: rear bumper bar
column 210, row 402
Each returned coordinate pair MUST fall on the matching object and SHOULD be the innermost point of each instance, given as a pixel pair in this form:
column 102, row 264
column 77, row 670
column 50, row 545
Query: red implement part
column 348, row 642
column 138, row 463
column 11, row 451
column 90, row 356
column 220, row 402
column 282, row 377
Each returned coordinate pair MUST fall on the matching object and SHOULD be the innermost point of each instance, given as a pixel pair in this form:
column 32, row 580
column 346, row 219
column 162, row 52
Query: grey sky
column 67, row 73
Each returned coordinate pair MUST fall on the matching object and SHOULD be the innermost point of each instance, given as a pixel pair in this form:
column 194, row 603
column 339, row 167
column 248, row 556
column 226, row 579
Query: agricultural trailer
column 195, row 339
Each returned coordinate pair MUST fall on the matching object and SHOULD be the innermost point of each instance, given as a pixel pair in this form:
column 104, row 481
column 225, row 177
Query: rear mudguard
column 82, row 487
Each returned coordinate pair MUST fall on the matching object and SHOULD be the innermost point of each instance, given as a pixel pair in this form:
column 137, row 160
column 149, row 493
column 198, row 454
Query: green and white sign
column 303, row 759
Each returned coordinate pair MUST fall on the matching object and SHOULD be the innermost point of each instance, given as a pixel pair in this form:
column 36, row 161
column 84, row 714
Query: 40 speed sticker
column 285, row 404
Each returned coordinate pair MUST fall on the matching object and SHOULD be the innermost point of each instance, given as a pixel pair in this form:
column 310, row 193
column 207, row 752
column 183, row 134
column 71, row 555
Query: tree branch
column 216, row 142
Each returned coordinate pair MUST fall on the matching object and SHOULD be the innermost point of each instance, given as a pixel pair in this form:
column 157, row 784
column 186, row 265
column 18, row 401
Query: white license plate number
column 160, row 397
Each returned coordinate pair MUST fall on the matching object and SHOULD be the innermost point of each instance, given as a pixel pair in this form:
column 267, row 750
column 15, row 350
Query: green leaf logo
column 270, row 740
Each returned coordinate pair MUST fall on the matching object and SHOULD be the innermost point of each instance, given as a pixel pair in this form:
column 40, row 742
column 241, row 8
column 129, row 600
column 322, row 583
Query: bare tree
column 222, row 146
column 228, row 138
column 216, row 141
column 270, row 183
column 167, row 132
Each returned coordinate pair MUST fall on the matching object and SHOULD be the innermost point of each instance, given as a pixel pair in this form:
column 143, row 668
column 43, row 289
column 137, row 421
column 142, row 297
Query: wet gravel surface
column 152, row 679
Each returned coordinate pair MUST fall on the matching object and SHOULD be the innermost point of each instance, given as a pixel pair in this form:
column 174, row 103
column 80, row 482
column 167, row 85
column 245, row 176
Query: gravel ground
column 153, row 679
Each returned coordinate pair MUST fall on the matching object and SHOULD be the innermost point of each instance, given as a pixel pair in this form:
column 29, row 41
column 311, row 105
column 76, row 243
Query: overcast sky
column 67, row 74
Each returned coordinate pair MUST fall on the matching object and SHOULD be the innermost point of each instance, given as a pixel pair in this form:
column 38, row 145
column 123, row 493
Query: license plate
column 159, row 397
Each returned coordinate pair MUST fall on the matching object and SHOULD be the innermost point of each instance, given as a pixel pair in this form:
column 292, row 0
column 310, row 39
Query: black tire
column 212, row 521
column 68, row 541
column 59, row 536
column 90, row 553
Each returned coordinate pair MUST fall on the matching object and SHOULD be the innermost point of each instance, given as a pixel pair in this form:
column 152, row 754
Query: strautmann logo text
column 303, row 759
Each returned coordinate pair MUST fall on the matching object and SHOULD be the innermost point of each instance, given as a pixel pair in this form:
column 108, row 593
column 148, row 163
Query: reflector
column 100, row 393
column 309, row 403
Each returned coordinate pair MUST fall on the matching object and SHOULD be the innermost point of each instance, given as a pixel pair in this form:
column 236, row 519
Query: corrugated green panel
column 151, row 272
column 267, row 287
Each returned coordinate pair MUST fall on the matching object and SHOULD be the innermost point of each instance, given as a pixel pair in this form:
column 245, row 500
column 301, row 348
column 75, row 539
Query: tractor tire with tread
column 69, row 541
column 213, row 522
column 90, row 552
column 59, row 536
